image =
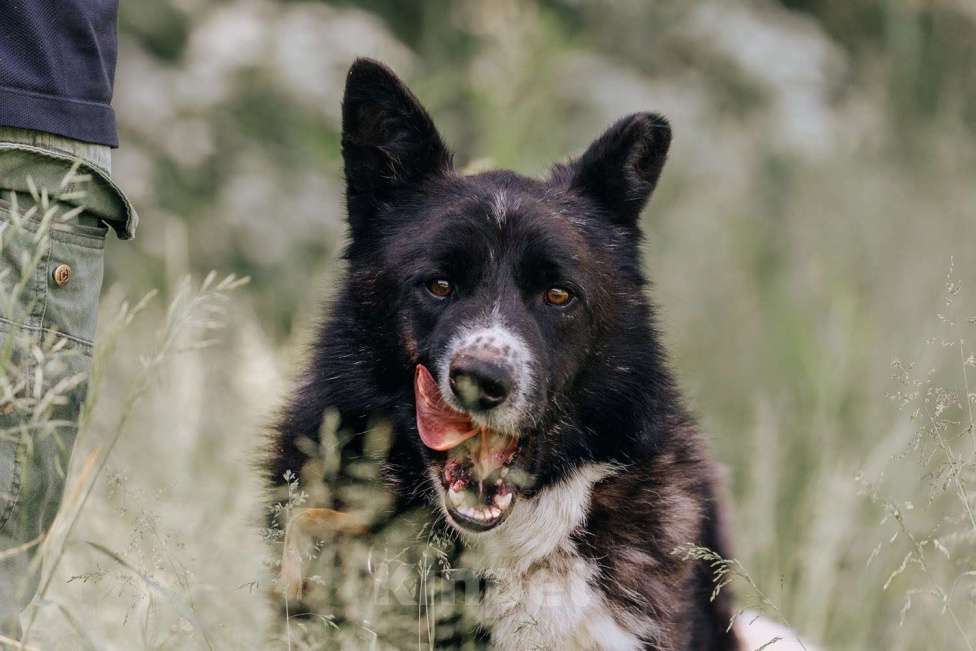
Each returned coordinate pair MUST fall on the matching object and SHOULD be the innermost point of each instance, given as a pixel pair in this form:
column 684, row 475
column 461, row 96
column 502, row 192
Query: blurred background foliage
column 229, row 110
column 820, row 180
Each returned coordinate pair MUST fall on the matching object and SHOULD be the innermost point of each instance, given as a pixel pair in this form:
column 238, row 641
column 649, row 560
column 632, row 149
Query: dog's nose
column 479, row 384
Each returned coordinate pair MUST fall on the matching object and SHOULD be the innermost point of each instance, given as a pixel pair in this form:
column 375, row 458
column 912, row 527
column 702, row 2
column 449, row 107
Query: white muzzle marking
column 497, row 340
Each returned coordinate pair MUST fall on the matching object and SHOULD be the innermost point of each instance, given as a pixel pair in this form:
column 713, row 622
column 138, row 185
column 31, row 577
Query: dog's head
column 511, row 298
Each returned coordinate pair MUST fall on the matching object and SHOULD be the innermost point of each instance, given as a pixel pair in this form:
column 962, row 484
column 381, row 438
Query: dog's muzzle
column 487, row 372
column 474, row 468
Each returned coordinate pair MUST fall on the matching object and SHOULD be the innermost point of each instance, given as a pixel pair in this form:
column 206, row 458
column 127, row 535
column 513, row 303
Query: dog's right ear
column 388, row 139
column 621, row 168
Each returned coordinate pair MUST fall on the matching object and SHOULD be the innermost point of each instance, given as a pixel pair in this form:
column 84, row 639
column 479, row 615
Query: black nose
column 479, row 384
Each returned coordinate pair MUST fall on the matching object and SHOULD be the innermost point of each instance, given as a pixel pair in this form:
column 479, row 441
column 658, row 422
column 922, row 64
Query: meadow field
column 812, row 246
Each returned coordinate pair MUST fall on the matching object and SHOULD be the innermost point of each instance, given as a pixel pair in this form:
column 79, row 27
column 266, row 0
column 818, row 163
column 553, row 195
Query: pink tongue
column 441, row 428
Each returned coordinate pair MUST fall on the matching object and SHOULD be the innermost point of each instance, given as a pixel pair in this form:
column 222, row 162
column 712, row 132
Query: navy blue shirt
column 57, row 67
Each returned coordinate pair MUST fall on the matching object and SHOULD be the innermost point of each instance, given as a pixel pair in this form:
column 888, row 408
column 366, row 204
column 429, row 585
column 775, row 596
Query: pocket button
column 62, row 274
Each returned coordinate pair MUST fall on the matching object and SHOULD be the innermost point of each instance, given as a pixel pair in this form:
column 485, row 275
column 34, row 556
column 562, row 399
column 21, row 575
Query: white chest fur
column 543, row 594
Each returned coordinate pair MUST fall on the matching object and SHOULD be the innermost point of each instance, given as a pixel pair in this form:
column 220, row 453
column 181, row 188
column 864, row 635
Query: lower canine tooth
column 456, row 497
column 502, row 501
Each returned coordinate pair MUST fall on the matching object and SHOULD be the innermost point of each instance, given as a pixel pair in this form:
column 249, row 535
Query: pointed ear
column 388, row 139
column 621, row 168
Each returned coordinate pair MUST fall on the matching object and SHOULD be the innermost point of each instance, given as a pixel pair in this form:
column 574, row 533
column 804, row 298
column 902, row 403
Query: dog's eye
column 440, row 288
column 558, row 296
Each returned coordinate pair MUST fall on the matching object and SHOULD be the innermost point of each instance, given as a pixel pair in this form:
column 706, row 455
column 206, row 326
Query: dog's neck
column 542, row 593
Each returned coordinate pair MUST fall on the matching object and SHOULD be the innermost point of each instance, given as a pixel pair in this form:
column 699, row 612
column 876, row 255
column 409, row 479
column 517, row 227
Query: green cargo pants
column 56, row 200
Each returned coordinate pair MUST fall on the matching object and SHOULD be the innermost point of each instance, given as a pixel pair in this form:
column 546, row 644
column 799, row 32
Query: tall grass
column 923, row 496
column 161, row 526
column 192, row 317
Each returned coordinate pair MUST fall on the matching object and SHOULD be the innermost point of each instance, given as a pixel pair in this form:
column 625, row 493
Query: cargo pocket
column 73, row 274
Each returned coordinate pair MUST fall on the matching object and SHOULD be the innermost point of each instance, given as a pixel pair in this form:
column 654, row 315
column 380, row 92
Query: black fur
column 605, row 392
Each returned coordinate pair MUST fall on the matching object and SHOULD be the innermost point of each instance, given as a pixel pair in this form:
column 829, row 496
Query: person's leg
column 51, row 261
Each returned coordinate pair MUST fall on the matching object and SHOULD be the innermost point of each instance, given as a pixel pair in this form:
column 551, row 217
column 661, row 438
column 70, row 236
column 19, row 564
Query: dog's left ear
column 388, row 139
column 620, row 169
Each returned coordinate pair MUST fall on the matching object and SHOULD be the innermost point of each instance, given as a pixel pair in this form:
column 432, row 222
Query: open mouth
column 476, row 466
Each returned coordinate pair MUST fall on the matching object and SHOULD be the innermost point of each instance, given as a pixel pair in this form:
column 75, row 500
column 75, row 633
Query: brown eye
column 558, row 296
column 440, row 288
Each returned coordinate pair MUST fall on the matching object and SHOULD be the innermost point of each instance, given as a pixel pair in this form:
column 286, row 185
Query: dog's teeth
column 455, row 497
column 483, row 513
column 502, row 501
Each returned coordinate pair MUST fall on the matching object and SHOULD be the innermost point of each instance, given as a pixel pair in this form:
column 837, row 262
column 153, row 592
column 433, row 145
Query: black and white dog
column 500, row 323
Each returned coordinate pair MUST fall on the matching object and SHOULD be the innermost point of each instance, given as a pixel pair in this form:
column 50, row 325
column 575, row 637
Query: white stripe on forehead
column 499, row 209
column 501, row 204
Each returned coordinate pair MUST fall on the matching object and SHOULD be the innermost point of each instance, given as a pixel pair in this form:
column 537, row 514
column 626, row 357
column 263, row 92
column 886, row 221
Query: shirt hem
column 84, row 121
